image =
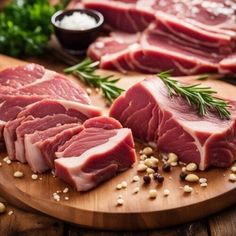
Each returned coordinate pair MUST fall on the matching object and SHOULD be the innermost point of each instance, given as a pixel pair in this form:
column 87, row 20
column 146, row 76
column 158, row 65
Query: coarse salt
column 77, row 21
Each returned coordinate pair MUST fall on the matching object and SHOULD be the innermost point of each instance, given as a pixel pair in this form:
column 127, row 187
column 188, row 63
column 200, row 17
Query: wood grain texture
column 223, row 223
column 28, row 224
column 98, row 209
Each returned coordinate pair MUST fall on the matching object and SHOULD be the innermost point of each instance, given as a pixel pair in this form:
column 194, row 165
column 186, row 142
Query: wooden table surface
column 22, row 222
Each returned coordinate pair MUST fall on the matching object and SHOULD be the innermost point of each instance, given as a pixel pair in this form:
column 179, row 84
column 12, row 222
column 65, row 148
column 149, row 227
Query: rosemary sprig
column 85, row 71
column 197, row 96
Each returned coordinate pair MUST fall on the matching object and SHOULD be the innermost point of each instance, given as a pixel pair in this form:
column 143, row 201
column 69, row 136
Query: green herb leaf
column 25, row 27
column 85, row 71
column 197, row 96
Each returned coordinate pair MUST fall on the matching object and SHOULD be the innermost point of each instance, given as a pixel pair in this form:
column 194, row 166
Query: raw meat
column 49, row 146
column 24, row 85
column 173, row 126
column 37, row 124
column 11, row 105
column 152, row 53
column 95, row 155
column 133, row 16
column 50, row 107
column 32, row 79
column 35, row 148
column 189, row 37
column 76, row 111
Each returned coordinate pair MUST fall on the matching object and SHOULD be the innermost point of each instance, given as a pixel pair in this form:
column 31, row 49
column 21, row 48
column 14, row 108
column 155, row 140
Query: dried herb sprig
column 85, row 71
column 197, row 96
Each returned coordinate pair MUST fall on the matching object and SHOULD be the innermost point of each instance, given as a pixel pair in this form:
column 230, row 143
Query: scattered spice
column 166, row 192
column 120, row 201
column 150, row 170
column 18, row 174
column 147, row 179
column 172, row 157
column 2, row 208
column 34, row 177
column 141, row 167
column 166, row 167
column 135, row 178
column 147, row 151
column 203, row 184
column 232, row 177
column 182, row 175
column 124, row 184
column 10, row 213
column 89, row 91
column 152, row 193
column 159, row 178
column 192, row 178
column 56, row 197
column 191, row 167
column 65, row 190
column 118, row 186
column 174, row 164
column 233, row 169
column 202, row 180
column 187, row 189
column 136, row 190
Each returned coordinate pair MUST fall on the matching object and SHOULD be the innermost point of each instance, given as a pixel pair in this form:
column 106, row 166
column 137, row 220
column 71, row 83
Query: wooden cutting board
column 98, row 209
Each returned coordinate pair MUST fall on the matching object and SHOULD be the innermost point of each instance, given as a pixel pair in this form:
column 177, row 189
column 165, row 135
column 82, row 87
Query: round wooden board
column 98, row 209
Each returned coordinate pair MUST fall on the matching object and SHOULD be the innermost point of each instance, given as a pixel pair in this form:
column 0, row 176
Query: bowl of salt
column 76, row 29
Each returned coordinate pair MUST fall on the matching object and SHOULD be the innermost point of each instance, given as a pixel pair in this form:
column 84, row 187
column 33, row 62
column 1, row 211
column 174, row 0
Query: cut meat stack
column 42, row 110
column 190, row 37
column 170, row 124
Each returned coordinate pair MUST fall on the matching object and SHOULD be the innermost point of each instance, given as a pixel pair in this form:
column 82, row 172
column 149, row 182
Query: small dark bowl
column 77, row 41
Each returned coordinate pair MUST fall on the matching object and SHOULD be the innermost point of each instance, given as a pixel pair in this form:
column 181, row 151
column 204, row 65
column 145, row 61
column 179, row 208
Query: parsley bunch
column 25, row 27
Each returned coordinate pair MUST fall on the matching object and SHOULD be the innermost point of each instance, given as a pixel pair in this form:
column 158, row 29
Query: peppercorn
column 159, row 178
column 146, row 179
column 182, row 175
column 155, row 168
column 166, row 167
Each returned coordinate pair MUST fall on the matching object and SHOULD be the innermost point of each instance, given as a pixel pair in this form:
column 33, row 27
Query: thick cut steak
column 173, row 126
column 96, row 154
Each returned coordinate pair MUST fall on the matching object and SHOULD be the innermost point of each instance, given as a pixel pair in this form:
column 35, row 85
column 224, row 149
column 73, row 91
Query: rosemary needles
column 202, row 98
column 85, row 71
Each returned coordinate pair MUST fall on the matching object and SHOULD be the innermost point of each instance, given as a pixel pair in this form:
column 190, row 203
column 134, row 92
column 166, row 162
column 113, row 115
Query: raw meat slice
column 19, row 76
column 48, row 147
column 10, row 134
column 133, row 16
column 228, row 65
column 37, row 124
column 123, row 15
column 95, row 155
column 33, row 79
column 173, row 126
column 152, row 53
column 51, row 107
column 102, row 122
column 33, row 152
column 184, row 32
column 11, row 105
column 58, row 87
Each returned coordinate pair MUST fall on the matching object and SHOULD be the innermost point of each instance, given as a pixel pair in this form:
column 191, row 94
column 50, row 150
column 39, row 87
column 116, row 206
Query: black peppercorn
column 182, row 175
column 166, row 167
column 155, row 168
column 159, row 178
column 146, row 179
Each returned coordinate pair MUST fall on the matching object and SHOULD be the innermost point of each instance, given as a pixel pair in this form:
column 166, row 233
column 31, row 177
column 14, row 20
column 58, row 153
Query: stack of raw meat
column 188, row 36
column 44, row 116
column 171, row 125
